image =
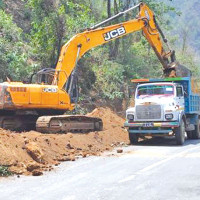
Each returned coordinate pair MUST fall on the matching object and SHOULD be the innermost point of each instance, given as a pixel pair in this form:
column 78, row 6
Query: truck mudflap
column 151, row 124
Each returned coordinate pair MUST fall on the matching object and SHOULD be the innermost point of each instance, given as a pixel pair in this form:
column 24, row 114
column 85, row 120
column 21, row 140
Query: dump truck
column 164, row 107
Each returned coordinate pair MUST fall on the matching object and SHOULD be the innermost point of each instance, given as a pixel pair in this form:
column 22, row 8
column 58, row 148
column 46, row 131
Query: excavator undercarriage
column 18, row 122
column 51, row 124
column 68, row 123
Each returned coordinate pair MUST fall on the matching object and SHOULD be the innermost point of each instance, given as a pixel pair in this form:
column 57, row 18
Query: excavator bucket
column 68, row 123
column 182, row 71
column 178, row 71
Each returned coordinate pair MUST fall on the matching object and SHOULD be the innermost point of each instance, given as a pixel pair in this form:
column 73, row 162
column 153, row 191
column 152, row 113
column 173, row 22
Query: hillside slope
column 19, row 12
column 187, row 24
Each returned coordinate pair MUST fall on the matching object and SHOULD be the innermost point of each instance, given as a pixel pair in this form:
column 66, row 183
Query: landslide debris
column 31, row 153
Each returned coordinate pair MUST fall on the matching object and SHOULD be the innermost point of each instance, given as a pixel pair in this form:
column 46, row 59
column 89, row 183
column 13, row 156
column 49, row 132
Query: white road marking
column 129, row 178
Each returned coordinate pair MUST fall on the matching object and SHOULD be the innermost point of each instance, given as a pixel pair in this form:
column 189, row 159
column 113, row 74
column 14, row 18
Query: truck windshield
column 155, row 90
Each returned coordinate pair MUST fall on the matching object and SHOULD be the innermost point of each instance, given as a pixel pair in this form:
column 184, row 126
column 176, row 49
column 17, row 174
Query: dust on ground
column 32, row 152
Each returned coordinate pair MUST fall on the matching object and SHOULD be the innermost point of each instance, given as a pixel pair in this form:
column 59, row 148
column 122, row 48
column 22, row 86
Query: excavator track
column 18, row 122
column 68, row 123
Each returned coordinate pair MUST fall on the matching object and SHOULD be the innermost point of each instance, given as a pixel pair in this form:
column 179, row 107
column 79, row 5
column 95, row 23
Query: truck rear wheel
column 180, row 133
column 133, row 138
column 196, row 132
column 189, row 134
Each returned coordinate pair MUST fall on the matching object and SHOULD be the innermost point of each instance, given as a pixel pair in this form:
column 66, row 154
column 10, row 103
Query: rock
column 79, row 156
column 35, row 152
column 32, row 166
column 57, row 163
column 119, row 150
column 17, row 170
column 84, row 154
column 47, row 141
column 70, row 135
column 15, row 163
column 64, row 159
column 72, row 158
column 72, row 151
column 37, row 173
column 26, row 141
column 69, row 146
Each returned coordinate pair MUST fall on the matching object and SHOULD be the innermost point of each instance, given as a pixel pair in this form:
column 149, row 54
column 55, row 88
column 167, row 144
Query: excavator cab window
column 44, row 76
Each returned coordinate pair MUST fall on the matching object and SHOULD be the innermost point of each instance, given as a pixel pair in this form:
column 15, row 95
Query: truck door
column 180, row 98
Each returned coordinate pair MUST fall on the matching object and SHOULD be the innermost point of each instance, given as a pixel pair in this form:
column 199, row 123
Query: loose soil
column 31, row 153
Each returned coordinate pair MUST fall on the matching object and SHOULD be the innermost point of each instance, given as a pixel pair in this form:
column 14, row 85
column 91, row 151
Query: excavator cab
column 44, row 76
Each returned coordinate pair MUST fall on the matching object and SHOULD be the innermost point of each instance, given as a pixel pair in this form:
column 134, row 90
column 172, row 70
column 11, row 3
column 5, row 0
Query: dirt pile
column 33, row 152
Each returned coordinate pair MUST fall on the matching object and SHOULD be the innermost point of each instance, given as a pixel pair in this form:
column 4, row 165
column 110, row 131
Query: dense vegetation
column 33, row 31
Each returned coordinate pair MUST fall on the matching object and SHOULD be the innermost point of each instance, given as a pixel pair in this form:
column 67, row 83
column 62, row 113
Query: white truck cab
column 157, row 102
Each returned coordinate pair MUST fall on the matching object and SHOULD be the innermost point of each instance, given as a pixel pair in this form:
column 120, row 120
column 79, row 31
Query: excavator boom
column 98, row 35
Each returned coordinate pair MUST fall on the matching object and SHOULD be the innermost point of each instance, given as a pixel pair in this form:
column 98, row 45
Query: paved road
column 154, row 170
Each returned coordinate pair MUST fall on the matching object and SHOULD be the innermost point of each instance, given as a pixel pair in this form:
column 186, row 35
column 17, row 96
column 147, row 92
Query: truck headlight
column 130, row 117
column 169, row 116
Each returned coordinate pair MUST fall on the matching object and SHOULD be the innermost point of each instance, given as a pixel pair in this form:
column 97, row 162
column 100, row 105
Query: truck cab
column 164, row 107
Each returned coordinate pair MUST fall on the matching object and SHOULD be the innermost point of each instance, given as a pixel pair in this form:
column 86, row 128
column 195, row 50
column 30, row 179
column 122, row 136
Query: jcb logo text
column 114, row 33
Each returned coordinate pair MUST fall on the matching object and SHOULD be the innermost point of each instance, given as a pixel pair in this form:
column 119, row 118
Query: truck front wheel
column 133, row 138
column 180, row 133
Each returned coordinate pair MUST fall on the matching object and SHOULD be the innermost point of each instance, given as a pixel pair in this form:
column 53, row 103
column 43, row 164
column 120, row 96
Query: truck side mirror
column 185, row 94
column 131, row 91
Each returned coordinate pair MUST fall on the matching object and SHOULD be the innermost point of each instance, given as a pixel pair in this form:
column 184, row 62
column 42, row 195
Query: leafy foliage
column 13, row 58
column 109, row 80
column 2, row 5
column 52, row 23
column 4, row 171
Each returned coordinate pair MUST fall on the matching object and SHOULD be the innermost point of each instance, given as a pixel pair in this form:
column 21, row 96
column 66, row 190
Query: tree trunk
column 109, row 8
column 113, row 46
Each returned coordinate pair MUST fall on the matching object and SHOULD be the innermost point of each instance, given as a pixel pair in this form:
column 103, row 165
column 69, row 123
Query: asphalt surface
column 153, row 170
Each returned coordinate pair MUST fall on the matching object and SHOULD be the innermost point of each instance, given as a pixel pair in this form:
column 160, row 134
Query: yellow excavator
column 51, row 92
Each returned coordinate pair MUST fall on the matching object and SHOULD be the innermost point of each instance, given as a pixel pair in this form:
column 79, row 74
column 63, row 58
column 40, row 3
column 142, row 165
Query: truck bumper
column 151, row 124
column 167, row 131
column 151, row 127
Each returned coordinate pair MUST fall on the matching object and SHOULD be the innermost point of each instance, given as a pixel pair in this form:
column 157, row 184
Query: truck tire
column 180, row 133
column 196, row 132
column 133, row 138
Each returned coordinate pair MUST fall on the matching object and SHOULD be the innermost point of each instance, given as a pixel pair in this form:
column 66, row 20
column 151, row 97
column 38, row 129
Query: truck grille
column 145, row 112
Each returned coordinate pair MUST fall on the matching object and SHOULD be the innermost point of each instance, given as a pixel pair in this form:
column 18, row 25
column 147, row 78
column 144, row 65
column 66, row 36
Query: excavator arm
column 74, row 49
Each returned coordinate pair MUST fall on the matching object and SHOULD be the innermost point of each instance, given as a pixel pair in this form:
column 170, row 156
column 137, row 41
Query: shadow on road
column 165, row 141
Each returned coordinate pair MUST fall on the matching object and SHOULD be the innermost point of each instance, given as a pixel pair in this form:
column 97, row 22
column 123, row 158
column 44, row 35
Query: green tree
column 53, row 23
column 13, row 52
